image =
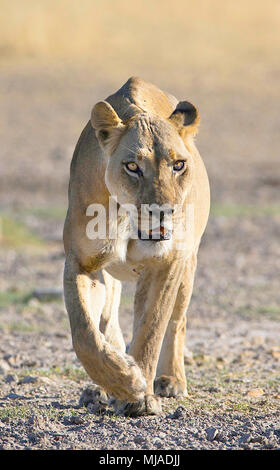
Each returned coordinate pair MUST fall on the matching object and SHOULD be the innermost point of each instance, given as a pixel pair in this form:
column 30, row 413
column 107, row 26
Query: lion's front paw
column 150, row 405
column 168, row 386
column 95, row 398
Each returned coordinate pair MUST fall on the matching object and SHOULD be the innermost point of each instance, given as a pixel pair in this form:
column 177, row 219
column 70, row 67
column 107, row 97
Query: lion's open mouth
column 157, row 234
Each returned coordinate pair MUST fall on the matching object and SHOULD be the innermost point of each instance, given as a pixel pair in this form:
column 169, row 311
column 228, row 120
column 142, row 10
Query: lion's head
column 149, row 162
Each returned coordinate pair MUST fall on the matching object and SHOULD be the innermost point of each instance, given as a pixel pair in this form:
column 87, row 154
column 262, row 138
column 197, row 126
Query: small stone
column 70, row 420
column 258, row 340
column 45, row 380
column 158, row 443
column 36, row 421
column 201, row 357
column 245, row 438
column 28, row 379
column 29, row 363
column 14, row 396
column 188, row 357
column 275, row 353
column 10, row 378
column 4, row 367
column 13, row 360
column 211, row 433
column 206, row 357
column 219, row 334
column 255, row 393
column 213, row 389
column 180, row 412
column 269, row 445
column 76, row 420
column 138, row 439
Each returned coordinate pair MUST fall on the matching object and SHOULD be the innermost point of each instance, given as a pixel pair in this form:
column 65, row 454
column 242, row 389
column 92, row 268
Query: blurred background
column 58, row 57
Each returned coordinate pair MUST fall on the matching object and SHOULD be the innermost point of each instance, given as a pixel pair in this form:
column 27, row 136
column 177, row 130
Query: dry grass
column 223, row 38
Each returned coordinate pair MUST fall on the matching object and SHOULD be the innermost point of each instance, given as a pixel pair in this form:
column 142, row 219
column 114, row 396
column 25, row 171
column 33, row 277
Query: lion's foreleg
column 171, row 380
column 116, row 372
column 154, row 303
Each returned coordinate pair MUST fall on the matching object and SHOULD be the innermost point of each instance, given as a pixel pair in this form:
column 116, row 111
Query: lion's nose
column 161, row 213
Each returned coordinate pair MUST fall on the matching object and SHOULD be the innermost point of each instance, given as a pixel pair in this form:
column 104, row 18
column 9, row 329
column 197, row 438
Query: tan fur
column 142, row 123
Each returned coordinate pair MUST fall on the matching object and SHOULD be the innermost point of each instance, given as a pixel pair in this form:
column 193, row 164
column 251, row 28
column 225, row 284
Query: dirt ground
column 232, row 346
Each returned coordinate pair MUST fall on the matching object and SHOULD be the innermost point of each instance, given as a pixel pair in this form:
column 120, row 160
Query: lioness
column 138, row 148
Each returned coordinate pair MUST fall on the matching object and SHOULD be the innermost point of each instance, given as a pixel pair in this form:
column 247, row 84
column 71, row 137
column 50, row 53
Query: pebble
column 211, row 433
column 158, row 443
column 14, row 396
column 245, row 438
column 138, row 439
column 46, row 381
column 275, row 354
column 28, row 379
column 76, row 420
column 213, row 389
column 255, row 393
column 69, row 420
column 10, row 378
column 13, row 360
column 258, row 340
column 188, row 357
column 4, row 367
column 180, row 412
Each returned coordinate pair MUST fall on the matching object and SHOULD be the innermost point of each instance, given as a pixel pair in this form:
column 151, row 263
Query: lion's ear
column 185, row 118
column 108, row 126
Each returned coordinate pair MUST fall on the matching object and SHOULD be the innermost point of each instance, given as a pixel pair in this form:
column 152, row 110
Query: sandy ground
column 232, row 345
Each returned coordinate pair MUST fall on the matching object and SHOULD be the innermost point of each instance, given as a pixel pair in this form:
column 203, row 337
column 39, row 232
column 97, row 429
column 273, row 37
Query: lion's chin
column 144, row 249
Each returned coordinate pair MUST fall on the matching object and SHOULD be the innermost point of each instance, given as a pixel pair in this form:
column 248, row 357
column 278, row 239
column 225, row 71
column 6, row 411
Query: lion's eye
column 132, row 169
column 179, row 165
column 132, row 166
